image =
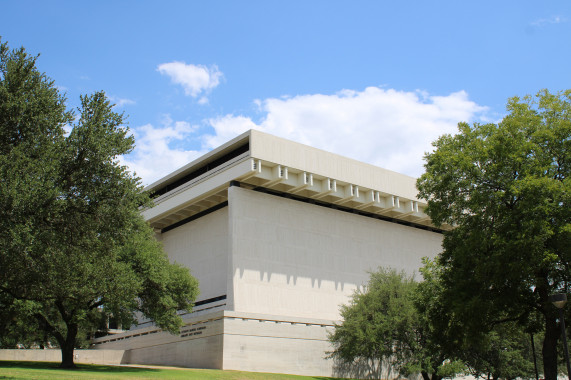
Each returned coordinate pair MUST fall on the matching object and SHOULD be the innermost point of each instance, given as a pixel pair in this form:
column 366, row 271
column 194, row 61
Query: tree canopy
column 377, row 323
column 398, row 327
column 73, row 245
column 505, row 189
column 385, row 328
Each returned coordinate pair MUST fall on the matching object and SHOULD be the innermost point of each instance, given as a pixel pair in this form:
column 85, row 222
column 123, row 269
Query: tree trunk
column 435, row 376
column 549, row 351
column 67, row 347
column 425, row 375
column 550, row 348
column 67, row 357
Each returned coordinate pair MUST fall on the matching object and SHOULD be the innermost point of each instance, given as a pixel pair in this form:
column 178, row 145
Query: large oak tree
column 505, row 188
column 73, row 245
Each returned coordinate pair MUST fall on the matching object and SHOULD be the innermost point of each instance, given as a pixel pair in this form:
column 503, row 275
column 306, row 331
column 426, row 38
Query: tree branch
column 47, row 327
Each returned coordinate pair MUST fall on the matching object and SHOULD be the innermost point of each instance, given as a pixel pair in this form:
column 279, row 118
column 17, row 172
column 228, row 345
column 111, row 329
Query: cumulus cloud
column 226, row 128
column 385, row 127
column 157, row 153
column 197, row 80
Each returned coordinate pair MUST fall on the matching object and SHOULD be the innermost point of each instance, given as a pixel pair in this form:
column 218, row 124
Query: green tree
column 382, row 329
column 73, row 245
column 438, row 335
column 503, row 353
column 377, row 323
column 505, row 188
column 15, row 331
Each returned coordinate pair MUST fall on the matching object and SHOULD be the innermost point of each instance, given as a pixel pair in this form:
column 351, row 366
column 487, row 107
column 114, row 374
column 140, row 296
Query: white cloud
column 551, row 20
column 67, row 130
column 195, row 79
column 156, row 153
column 121, row 102
column 227, row 127
column 385, row 127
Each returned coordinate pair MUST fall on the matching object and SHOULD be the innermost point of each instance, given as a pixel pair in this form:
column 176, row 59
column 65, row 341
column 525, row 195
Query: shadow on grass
column 79, row 368
column 46, row 369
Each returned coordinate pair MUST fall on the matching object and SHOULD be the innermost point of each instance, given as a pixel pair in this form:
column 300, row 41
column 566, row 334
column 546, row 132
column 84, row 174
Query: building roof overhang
column 261, row 161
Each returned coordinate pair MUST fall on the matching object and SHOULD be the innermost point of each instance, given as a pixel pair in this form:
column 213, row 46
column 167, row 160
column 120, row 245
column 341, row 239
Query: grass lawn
column 46, row 370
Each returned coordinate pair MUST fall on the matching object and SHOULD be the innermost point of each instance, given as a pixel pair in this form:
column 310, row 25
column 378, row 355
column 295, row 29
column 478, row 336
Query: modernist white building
column 279, row 234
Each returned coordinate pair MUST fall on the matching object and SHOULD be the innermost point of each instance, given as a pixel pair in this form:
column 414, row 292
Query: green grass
column 45, row 370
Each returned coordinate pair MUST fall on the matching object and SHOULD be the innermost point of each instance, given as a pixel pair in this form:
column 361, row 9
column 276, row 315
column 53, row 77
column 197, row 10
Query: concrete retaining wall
column 198, row 345
column 108, row 357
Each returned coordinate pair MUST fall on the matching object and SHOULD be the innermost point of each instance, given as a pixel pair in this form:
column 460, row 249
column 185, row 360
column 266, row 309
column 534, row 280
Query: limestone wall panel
column 308, row 265
column 202, row 246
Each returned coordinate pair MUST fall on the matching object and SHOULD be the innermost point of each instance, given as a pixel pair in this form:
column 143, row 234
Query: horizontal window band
column 210, row 300
column 195, row 216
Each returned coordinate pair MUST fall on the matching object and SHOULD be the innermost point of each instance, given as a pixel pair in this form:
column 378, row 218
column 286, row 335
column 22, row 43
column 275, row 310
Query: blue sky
column 373, row 80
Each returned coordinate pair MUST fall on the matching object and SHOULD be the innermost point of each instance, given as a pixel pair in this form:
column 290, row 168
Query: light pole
column 559, row 300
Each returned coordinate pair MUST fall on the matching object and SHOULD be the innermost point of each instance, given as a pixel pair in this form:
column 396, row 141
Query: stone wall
column 107, row 357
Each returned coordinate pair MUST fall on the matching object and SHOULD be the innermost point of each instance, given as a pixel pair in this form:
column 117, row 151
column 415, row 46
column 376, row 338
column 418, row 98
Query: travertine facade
column 279, row 235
